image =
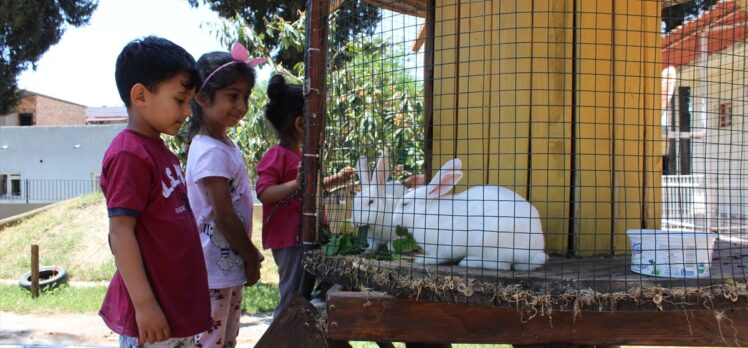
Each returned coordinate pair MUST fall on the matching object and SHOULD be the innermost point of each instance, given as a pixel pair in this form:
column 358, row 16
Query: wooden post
column 34, row 271
column 428, row 89
column 315, row 60
column 295, row 326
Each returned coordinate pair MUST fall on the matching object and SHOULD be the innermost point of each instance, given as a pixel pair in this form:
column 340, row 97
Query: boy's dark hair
column 150, row 61
column 285, row 104
column 227, row 75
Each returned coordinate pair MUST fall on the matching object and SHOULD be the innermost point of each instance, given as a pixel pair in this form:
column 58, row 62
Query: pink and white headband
column 240, row 55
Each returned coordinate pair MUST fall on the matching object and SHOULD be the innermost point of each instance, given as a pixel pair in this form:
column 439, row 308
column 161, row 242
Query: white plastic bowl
column 673, row 254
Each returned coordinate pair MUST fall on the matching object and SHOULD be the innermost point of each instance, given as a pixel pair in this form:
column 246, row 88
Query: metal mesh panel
column 548, row 154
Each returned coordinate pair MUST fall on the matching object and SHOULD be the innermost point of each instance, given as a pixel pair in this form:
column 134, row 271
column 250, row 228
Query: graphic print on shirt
column 229, row 258
column 173, row 182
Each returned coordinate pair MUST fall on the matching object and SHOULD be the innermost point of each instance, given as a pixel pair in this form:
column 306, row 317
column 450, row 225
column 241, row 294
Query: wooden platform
column 381, row 317
column 578, row 284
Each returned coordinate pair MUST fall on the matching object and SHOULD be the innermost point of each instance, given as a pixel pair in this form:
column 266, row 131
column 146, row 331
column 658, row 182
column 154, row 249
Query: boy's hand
column 152, row 324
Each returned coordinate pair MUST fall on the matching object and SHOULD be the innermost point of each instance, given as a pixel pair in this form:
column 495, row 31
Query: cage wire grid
column 587, row 131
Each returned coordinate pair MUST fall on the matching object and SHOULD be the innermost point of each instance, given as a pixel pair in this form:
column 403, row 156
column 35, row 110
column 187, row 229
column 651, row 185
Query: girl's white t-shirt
column 209, row 157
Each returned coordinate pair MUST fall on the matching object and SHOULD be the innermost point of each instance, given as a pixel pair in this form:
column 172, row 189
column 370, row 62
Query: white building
column 709, row 55
column 40, row 165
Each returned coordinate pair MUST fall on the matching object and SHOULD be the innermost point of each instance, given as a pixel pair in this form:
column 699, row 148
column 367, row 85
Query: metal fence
column 47, row 190
column 602, row 134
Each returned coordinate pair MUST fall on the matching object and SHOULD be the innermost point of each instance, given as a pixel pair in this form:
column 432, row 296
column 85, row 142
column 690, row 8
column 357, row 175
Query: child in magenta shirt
column 158, row 296
column 278, row 184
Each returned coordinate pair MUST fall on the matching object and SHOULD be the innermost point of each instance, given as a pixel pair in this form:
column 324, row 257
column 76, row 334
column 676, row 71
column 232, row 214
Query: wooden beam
column 410, row 7
column 420, row 40
column 379, row 317
column 315, row 57
column 295, row 326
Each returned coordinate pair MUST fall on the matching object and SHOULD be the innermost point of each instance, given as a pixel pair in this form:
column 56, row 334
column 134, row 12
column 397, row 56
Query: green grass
column 13, row 298
column 74, row 234
column 66, row 299
column 260, row 298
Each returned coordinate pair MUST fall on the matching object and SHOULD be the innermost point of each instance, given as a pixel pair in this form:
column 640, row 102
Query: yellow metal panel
column 503, row 104
column 550, row 119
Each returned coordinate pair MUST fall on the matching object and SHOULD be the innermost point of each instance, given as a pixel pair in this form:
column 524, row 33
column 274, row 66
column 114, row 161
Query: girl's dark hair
column 228, row 75
column 285, row 104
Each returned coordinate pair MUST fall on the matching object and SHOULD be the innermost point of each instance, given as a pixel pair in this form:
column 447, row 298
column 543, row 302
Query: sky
column 80, row 68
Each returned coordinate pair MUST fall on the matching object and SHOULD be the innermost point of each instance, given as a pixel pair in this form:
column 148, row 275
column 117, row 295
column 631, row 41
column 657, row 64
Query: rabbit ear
column 381, row 173
column 362, row 169
column 445, row 179
column 442, row 184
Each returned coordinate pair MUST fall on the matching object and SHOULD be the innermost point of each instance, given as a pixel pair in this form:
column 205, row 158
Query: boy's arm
column 152, row 324
column 218, row 192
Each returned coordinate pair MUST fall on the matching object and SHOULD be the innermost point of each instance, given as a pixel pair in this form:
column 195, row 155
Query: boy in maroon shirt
column 159, row 294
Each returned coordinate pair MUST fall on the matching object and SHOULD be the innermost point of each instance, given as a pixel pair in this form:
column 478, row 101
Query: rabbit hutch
column 530, row 172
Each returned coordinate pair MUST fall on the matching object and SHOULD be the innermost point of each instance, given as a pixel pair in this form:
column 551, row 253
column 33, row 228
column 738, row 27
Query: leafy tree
column 27, row 30
column 352, row 18
column 372, row 102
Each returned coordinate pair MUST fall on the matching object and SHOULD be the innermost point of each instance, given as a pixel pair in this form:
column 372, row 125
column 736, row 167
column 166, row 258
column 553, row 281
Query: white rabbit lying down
column 486, row 226
column 373, row 206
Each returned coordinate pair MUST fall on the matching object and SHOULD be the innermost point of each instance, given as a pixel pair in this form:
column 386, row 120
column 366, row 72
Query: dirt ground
column 89, row 330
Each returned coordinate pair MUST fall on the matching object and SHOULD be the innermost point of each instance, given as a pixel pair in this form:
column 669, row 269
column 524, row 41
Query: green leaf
column 402, row 231
column 332, row 247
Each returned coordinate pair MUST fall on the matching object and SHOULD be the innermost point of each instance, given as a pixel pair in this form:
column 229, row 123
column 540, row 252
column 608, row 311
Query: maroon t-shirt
column 141, row 177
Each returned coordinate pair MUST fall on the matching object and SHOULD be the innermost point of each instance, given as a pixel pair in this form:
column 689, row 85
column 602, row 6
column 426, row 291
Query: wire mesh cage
column 583, row 155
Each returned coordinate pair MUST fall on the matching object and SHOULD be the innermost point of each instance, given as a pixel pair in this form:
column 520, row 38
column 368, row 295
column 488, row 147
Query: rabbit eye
column 405, row 203
column 371, row 201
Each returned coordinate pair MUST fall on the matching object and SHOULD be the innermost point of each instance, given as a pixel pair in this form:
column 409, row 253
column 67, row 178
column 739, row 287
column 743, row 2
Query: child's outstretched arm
column 218, row 192
column 152, row 324
column 341, row 177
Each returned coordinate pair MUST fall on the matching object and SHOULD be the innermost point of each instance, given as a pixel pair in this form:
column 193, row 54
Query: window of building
column 25, row 119
column 10, row 185
column 725, row 114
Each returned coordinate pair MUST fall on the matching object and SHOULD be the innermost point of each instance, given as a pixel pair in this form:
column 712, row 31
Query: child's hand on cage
column 345, row 175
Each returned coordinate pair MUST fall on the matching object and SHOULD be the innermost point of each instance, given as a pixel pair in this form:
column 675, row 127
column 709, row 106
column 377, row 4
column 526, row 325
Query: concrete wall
column 54, row 154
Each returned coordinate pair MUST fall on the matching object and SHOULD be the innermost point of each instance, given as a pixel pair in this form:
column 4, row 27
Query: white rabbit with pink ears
column 488, row 227
column 374, row 205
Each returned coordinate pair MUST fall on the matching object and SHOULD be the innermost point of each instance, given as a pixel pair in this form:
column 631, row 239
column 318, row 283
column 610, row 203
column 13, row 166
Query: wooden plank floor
column 561, row 276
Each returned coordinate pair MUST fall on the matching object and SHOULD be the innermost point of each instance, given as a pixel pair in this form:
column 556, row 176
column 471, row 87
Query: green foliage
column 352, row 241
column 260, row 298
column 345, row 243
column 376, row 97
column 404, row 243
column 352, row 19
column 369, row 92
column 27, row 30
